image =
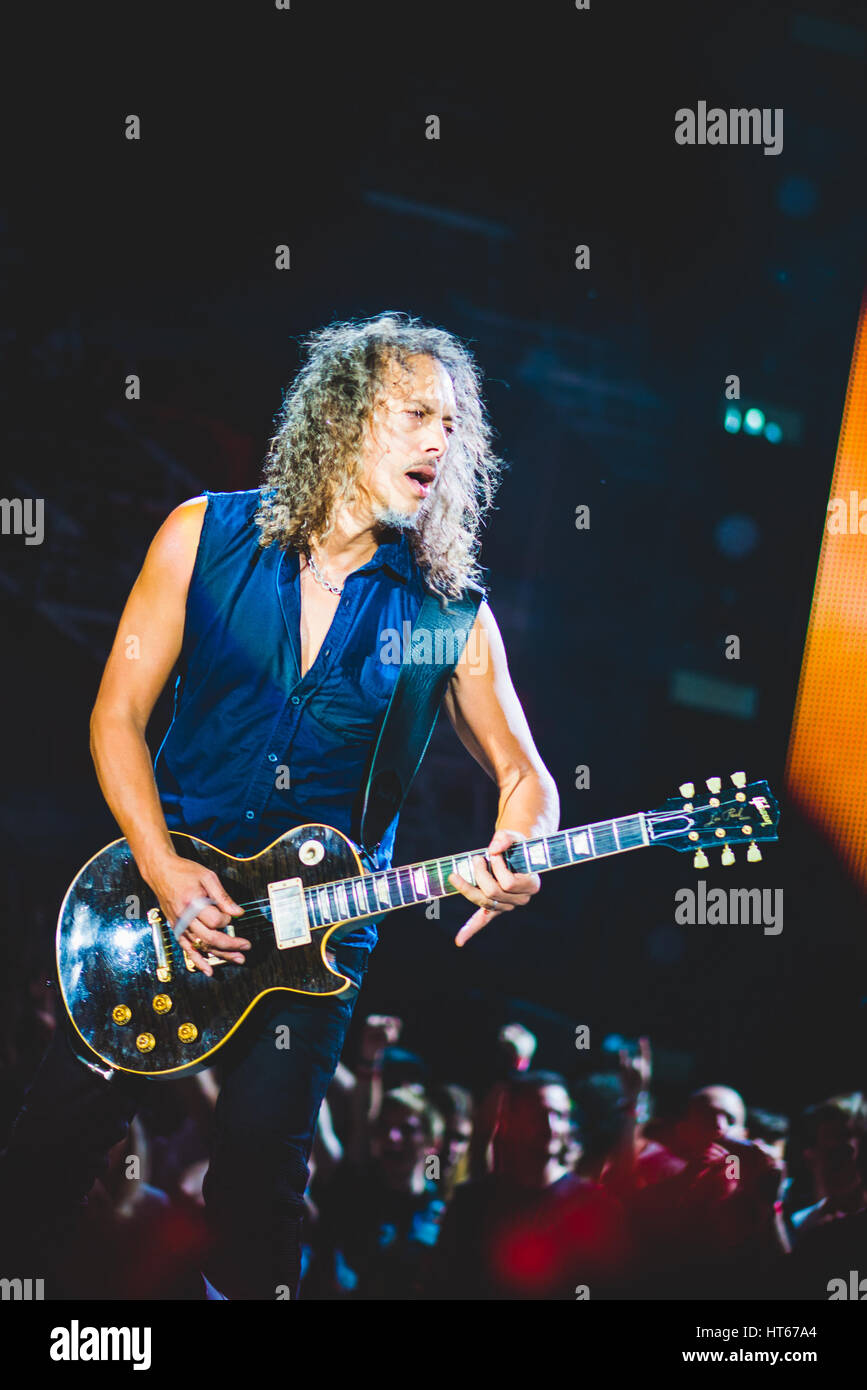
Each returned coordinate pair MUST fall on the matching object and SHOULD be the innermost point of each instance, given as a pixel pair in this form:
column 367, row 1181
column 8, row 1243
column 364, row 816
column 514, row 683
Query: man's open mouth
column 421, row 479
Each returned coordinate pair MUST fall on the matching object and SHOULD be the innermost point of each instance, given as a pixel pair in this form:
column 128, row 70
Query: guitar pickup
column 289, row 913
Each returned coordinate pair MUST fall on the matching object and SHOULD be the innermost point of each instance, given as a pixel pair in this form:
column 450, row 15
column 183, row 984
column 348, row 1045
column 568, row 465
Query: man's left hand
column 496, row 888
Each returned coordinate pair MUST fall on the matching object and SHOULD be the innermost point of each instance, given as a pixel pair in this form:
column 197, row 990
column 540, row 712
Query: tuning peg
column 713, row 784
column 739, row 779
column 754, row 854
column 728, row 857
column 687, row 789
column 700, row 860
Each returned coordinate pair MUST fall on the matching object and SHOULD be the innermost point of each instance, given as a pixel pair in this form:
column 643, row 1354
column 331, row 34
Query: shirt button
column 272, row 757
column 296, row 699
column 251, row 815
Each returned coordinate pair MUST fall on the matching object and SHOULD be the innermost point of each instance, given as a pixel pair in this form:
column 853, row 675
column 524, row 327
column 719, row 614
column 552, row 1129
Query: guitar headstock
column 720, row 818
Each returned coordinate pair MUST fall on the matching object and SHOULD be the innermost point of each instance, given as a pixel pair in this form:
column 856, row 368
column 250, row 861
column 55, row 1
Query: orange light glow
column 827, row 761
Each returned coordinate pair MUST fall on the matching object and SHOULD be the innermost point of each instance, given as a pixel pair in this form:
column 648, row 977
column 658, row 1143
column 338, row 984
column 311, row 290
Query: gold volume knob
column 121, row 1014
column 145, row 1042
column 162, row 1003
column 188, row 1032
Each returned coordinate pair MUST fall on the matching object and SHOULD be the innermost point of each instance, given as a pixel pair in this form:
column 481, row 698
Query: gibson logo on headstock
column 762, row 807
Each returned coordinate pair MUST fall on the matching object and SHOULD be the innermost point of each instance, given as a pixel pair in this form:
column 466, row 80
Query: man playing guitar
column 375, row 488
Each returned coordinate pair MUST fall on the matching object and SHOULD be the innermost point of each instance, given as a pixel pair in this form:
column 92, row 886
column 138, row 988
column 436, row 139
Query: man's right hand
column 177, row 883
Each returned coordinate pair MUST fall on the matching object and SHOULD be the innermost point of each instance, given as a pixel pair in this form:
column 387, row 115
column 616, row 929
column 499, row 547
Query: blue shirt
column 253, row 749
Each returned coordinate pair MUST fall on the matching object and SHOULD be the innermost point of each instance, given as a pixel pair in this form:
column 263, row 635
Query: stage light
column 736, row 536
column 797, row 197
column 826, row 769
column 770, row 421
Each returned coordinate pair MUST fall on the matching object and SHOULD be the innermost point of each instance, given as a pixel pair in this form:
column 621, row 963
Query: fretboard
column 372, row 894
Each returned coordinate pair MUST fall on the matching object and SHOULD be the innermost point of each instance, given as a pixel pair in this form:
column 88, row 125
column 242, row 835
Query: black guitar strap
column 439, row 637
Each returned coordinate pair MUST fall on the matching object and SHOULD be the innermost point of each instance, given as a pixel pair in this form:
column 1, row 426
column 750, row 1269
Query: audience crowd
column 541, row 1186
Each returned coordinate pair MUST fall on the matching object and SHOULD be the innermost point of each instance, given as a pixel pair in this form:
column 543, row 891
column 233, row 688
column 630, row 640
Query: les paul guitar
column 140, row 1004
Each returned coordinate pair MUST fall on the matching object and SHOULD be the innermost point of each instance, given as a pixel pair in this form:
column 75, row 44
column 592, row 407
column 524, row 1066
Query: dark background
column 307, row 127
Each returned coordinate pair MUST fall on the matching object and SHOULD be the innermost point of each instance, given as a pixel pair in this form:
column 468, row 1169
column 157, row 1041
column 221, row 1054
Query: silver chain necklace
column 320, row 578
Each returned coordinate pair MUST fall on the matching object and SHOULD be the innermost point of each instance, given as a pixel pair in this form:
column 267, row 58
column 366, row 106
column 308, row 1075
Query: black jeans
column 272, row 1087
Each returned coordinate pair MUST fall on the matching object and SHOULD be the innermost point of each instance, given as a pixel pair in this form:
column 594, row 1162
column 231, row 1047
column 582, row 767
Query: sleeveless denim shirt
column 252, row 749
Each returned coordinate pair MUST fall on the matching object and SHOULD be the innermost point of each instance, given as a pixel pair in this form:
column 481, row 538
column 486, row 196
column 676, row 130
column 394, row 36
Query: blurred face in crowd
column 456, row 1142
column 834, row 1158
column 399, row 1141
column 535, row 1129
column 715, row 1114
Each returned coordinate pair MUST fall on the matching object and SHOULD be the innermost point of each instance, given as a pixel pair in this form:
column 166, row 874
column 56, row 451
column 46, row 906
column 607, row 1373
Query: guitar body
column 108, row 956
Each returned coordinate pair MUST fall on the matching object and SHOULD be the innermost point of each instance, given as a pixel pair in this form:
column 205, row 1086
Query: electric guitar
column 140, row 1004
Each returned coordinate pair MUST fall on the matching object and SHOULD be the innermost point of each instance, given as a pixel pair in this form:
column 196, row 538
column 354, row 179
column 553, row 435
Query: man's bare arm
column 145, row 650
column 486, row 713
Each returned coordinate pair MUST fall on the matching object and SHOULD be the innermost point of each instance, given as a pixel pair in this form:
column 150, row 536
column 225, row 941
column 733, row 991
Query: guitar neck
column 375, row 893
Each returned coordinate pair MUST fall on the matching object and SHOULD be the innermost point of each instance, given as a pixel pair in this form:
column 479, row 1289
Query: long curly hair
column 313, row 461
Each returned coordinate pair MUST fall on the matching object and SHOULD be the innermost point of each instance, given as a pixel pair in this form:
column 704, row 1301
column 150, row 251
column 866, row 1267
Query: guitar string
column 559, row 835
column 427, row 865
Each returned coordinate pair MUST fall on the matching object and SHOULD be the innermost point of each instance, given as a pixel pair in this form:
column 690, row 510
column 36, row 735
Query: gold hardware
column 162, row 1003
column 188, row 963
column 693, row 835
column 687, row 789
column 720, row 834
column 121, row 1014
column 714, row 801
column 754, row 854
column 746, row 830
column 700, row 860
column 145, row 1042
column 739, row 779
column 188, row 1032
column 740, row 796
column 164, row 968
column 714, row 784
column 728, row 856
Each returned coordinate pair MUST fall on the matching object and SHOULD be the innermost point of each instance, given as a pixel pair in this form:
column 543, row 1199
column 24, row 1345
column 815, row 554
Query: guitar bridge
column 289, row 913
column 161, row 950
